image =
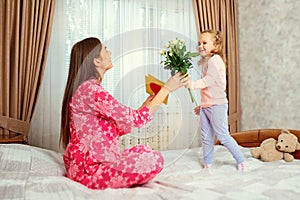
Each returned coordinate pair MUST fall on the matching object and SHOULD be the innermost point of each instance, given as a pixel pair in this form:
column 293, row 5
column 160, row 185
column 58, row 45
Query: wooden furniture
column 12, row 138
column 13, row 130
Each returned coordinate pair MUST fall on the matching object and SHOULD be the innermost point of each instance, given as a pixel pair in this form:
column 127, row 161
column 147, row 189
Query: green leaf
column 184, row 70
column 194, row 54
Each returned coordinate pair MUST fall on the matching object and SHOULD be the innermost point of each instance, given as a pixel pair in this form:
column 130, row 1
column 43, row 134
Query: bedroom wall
column 269, row 42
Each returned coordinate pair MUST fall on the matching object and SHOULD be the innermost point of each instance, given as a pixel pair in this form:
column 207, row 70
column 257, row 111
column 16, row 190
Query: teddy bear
column 272, row 150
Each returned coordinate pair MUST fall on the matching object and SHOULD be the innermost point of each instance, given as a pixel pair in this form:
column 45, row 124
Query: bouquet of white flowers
column 178, row 59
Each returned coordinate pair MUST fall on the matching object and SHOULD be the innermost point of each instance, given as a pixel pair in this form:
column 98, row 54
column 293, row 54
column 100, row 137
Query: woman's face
column 104, row 61
column 205, row 44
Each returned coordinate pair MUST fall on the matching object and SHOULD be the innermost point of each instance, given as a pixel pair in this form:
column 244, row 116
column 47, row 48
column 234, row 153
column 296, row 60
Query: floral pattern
column 93, row 156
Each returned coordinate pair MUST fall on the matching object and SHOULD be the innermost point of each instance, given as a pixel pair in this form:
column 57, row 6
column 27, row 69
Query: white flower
column 177, row 58
column 174, row 42
column 161, row 52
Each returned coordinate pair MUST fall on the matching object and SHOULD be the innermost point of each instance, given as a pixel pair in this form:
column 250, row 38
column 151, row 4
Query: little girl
column 214, row 103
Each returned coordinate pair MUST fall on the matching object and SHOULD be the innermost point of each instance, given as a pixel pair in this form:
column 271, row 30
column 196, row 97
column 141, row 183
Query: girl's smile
column 205, row 45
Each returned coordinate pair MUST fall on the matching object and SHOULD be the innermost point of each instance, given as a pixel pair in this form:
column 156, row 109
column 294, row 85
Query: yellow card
column 153, row 86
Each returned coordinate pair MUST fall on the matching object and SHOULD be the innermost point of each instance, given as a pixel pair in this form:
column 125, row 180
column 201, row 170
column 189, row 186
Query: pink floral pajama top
column 93, row 156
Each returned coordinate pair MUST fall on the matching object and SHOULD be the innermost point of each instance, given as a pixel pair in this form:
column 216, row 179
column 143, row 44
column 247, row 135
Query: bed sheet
column 28, row 172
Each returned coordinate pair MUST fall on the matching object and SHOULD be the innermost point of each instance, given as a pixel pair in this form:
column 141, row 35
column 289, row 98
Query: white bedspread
column 28, row 172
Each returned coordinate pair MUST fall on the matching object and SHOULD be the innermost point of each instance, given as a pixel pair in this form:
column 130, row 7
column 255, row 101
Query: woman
column 92, row 122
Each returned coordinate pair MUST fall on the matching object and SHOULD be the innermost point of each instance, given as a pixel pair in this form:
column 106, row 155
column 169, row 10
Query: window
column 134, row 31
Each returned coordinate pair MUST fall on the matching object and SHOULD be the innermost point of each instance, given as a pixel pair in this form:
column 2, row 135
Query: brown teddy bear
column 272, row 150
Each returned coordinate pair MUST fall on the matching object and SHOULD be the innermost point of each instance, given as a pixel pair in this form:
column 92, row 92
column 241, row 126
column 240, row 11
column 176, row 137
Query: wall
column 269, row 37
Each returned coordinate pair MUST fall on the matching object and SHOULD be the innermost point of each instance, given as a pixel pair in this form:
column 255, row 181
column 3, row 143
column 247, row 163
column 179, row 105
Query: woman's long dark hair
column 81, row 69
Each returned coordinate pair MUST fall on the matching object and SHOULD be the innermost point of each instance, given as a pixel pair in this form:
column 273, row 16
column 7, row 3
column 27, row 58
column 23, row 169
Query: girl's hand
column 188, row 84
column 197, row 110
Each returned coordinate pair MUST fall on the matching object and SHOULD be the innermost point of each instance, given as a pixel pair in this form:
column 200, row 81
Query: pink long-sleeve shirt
column 212, row 84
column 93, row 156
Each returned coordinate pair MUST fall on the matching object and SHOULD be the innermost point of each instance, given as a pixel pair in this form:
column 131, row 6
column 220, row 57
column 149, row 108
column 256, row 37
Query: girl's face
column 205, row 45
column 104, row 62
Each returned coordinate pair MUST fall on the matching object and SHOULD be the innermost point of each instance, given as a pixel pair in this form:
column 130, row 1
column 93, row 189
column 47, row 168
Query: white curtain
column 135, row 31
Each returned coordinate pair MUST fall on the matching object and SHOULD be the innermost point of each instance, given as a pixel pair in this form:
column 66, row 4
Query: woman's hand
column 147, row 101
column 177, row 81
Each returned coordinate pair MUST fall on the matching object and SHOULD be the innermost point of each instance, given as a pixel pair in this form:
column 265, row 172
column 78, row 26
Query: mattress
column 28, row 172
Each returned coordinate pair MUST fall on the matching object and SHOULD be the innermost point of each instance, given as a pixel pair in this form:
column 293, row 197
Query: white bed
column 28, row 172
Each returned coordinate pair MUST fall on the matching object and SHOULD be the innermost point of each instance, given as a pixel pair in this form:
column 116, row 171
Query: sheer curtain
column 135, row 31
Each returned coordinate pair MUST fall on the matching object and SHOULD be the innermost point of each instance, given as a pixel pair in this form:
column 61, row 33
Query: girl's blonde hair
column 217, row 38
